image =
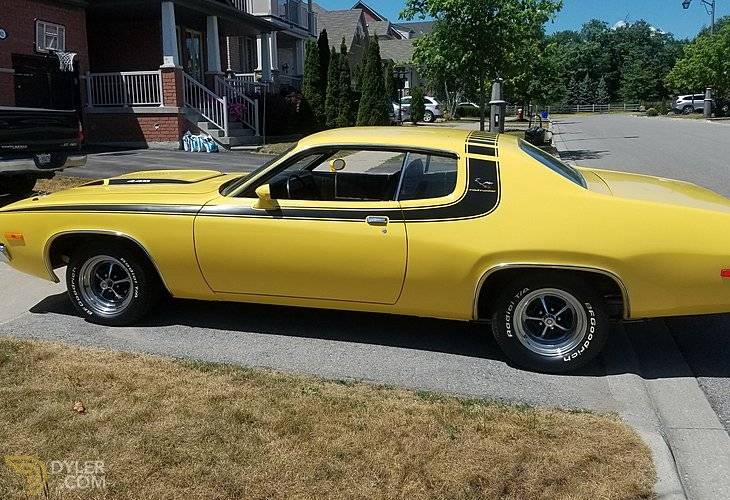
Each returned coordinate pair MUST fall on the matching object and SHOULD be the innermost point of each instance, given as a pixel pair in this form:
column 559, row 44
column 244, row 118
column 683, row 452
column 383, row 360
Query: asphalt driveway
column 651, row 373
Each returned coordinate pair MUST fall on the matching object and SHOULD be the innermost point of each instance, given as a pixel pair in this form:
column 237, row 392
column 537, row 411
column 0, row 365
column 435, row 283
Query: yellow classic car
column 434, row 222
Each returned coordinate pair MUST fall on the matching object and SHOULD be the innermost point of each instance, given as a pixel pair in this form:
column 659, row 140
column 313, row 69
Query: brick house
column 159, row 68
column 30, row 33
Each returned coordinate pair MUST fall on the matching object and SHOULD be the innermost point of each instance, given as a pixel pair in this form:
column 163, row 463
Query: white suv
column 688, row 104
column 433, row 109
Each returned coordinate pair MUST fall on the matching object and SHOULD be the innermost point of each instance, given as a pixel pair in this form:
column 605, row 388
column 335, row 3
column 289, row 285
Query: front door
column 192, row 45
column 333, row 236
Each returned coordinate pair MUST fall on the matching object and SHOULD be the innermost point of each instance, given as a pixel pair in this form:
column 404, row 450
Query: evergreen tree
column 391, row 89
column 333, row 90
column 586, row 94
column 374, row 103
column 323, row 45
column 602, row 95
column 312, row 86
column 572, row 95
column 345, row 116
column 418, row 105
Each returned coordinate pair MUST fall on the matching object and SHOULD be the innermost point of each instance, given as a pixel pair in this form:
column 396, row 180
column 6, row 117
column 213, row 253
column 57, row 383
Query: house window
column 49, row 36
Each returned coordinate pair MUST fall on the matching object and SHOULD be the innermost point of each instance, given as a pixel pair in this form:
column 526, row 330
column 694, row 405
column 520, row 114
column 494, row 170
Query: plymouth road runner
column 429, row 222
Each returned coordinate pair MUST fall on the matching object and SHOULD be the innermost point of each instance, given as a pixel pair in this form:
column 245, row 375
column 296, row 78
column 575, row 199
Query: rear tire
column 112, row 284
column 550, row 323
column 428, row 116
column 688, row 110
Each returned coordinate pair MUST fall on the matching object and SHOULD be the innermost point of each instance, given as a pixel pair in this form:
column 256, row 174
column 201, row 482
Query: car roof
column 424, row 137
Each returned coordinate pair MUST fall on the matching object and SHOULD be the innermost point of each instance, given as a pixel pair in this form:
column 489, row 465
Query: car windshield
column 553, row 163
column 236, row 183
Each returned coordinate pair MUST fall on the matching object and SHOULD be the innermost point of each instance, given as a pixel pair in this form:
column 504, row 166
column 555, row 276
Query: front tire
column 550, row 323
column 688, row 110
column 112, row 284
column 428, row 117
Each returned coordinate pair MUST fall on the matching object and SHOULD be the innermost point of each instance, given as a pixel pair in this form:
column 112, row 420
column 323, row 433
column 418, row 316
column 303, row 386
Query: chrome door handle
column 377, row 220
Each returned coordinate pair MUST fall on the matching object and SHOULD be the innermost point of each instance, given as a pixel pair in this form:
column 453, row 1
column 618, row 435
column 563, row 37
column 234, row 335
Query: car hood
column 654, row 189
column 190, row 187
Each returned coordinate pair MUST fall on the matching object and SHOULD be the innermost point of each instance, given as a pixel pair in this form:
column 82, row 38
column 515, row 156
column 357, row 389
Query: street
column 652, row 373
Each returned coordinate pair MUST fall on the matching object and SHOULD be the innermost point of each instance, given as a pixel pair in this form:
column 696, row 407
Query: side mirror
column 265, row 202
column 337, row 165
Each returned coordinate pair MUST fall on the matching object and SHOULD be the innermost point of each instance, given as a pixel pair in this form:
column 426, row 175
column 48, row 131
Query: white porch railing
column 292, row 81
column 246, row 83
column 124, row 89
column 210, row 106
column 244, row 5
column 247, row 107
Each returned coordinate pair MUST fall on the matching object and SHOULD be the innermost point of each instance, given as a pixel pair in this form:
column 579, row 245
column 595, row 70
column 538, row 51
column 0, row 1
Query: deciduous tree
column 418, row 105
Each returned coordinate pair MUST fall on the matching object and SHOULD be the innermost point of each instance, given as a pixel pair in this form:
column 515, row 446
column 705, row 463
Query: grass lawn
column 177, row 429
column 59, row 183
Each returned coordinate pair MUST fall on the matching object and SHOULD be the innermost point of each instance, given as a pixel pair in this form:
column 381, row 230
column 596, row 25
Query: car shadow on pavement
column 582, row 154
column 425, row 334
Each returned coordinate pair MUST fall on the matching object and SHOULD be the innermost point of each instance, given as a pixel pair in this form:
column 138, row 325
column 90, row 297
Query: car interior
column 369, row 176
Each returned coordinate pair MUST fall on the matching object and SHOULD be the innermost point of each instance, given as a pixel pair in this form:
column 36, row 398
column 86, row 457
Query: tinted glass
column 553, row 163
column 427, row 176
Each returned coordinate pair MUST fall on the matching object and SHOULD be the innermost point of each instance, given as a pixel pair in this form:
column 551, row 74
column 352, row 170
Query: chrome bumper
column 27, row 164
column 4, row 254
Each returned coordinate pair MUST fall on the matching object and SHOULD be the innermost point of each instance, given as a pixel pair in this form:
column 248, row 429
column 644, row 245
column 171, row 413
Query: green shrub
column 652, row 112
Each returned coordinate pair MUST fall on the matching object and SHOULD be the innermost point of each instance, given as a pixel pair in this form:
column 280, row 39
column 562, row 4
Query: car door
column 344, row 248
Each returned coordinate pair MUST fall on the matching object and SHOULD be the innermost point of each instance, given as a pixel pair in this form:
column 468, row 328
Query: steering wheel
column 306, row 181
column 288, row 183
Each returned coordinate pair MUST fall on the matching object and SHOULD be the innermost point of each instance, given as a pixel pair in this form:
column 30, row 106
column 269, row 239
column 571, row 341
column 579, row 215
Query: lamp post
column 707, row 3
column 400, row 74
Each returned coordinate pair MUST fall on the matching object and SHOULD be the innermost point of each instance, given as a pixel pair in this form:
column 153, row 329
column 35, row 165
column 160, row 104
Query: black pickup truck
column 36, row 144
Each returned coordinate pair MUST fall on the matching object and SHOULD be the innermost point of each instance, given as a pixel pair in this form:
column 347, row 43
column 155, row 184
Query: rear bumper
column 22, row 165
column 4, row 254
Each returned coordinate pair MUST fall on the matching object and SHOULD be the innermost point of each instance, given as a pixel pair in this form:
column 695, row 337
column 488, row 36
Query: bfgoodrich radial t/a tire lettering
column 112, row 284
column 550, row 323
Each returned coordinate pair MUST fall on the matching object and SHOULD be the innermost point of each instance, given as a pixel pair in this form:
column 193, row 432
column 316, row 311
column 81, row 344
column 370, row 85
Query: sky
column 666, row 15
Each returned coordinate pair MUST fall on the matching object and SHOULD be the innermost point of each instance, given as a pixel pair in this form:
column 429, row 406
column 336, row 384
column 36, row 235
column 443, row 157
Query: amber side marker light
column 725, row 273
column 14, row 236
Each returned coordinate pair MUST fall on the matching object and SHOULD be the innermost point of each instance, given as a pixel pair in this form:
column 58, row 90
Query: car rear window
column 553, row 163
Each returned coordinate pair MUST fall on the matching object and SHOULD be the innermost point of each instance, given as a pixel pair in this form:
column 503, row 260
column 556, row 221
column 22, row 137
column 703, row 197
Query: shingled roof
column 339, row 23
column 399, row 51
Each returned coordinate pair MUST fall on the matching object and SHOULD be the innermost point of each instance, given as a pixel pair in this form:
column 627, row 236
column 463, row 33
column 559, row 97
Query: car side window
column 363, row 175
column 427, row 176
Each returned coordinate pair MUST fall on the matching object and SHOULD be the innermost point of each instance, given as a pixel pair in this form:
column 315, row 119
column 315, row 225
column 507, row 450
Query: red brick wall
column 18, row 19
column 119, row 127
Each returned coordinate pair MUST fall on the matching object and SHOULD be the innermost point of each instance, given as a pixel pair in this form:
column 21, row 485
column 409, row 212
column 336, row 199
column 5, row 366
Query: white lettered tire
column 112, row 284
column 550, row 323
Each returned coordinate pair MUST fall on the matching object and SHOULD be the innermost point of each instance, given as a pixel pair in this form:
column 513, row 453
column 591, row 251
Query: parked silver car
column 688, row 104
column 433, row 109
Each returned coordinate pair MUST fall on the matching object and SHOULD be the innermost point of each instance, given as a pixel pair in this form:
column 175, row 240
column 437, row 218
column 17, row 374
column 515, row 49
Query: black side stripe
column 481, row 197
column 480, row 150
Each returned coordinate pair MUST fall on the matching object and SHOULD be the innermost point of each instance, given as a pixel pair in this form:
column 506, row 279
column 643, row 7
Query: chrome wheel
column 105, row 285
column 550, row 322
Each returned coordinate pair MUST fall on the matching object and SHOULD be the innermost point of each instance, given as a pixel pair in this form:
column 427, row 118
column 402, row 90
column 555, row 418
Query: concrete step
column 232, row 141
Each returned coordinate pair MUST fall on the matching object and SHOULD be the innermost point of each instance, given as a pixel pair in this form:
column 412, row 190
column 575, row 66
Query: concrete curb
column 636, row 407
column 699, row 443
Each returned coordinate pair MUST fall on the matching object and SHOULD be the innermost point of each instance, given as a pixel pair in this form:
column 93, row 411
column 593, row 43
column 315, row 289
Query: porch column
column 274, row 52
column 264, row 59
column 299, row 55
column 170, row 56
column 213, row 45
